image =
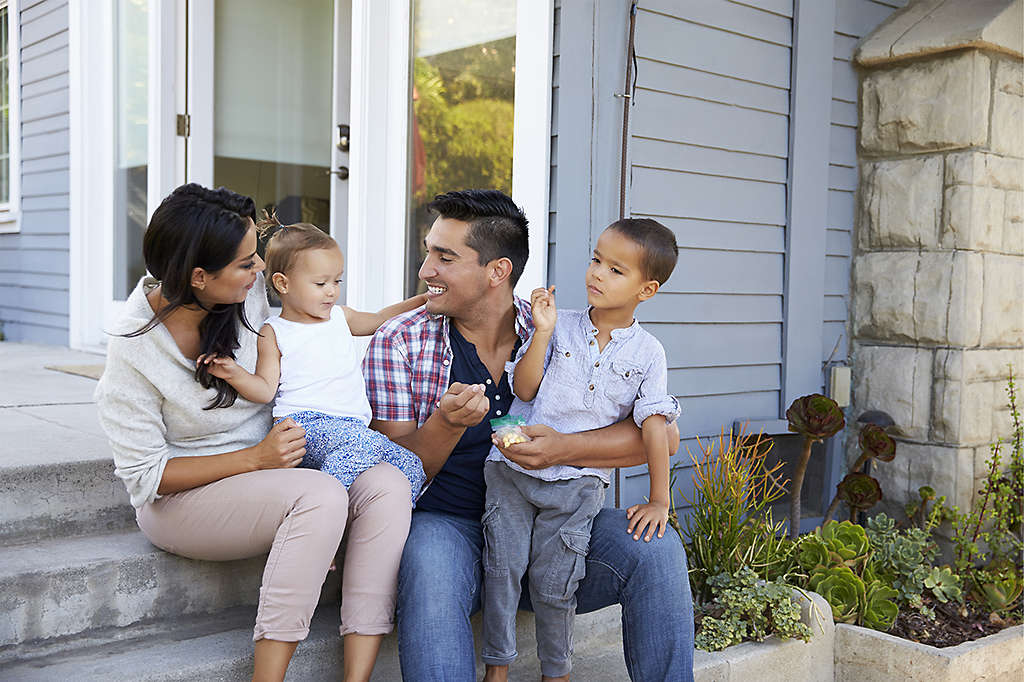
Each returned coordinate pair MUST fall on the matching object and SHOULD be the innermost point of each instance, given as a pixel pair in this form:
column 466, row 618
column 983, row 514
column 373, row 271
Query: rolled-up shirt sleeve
column 653, row 396
column 388, row 376
column 129, row 409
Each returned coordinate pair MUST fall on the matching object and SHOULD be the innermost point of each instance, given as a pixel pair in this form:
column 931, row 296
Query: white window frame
column 10, row 212
column 378, row 191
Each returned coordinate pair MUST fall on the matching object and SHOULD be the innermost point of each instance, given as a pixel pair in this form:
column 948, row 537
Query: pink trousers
column 299, row 516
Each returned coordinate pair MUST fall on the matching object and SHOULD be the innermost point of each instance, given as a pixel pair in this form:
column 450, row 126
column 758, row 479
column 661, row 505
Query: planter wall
column 863, row 655
column 775, row 660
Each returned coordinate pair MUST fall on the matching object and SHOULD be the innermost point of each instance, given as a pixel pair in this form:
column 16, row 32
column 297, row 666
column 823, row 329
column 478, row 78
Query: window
column 10, row 128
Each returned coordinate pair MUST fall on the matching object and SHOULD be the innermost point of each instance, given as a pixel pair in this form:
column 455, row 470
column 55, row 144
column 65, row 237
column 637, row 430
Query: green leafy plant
column 944, row 584
column 840, row 567
column 815, row 417
column 861, row 489
column 744, row 608
column 999, row 586
column 730, row 525
column 903, row 558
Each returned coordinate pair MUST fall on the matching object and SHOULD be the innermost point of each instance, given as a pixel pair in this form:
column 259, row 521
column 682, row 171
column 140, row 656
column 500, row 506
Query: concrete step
column 66, row 586
column 219, row 649
column 57, row 475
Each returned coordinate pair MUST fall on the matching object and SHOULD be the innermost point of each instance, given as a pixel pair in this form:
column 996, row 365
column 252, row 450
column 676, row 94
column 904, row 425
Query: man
column 435, row 378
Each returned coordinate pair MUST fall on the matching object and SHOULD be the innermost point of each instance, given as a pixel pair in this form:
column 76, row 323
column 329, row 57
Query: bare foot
column 496, row 673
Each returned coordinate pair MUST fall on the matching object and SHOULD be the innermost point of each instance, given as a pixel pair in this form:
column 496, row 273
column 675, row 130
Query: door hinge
column 184, row 124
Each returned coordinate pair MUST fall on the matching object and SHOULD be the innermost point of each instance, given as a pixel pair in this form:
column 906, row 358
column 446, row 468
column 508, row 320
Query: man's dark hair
column 497, row 227
column 657, row 242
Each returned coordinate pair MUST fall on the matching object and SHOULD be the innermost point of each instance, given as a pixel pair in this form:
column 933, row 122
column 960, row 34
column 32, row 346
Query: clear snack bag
column 508, row 429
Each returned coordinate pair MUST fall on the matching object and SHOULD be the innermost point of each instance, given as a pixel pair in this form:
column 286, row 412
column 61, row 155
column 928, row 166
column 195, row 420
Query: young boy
column 581, row 370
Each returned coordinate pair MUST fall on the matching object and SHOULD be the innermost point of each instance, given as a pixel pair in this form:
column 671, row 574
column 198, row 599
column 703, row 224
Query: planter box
column 864, row 655
column 775, row 659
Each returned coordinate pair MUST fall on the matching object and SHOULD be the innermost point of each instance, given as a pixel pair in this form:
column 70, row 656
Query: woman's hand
column 283, row 448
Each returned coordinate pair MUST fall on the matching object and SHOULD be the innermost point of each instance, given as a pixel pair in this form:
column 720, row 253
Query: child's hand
column 220, row 366
column 650, row 516
column 542, row 303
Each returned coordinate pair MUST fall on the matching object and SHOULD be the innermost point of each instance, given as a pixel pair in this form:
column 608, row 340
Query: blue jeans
column 439, row 589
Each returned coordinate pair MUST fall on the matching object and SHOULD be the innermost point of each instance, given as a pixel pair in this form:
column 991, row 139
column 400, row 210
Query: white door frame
column 378, row 191
column 378, row 195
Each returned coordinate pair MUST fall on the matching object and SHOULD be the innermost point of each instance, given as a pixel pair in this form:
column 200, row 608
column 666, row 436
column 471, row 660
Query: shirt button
column 591, row 387
column 488, row 381
column 445, row 363
column 566, row 353
column 497, row 397
column 597, row 364
column 591, row 342
column 437, row 403
column 497, row 412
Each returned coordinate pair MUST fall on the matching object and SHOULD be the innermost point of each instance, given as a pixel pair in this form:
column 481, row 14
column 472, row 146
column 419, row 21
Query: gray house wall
column 709, row 149
column 34, row 263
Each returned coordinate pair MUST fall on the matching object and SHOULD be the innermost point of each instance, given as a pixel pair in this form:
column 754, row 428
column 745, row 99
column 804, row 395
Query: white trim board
column 10, row 213
column 379, row 160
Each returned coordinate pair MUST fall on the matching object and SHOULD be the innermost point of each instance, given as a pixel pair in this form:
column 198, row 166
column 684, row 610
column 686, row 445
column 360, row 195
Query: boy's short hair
column 497, row 227
column 657, row 242
column 289, row 241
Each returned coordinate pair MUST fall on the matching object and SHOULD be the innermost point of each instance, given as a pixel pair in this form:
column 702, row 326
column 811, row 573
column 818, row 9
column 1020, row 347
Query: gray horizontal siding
column 854, row 20
column 34, row 294
column 708, row 158
column 553, row 176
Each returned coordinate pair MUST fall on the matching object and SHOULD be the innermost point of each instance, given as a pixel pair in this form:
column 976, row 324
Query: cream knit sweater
column 151, row 407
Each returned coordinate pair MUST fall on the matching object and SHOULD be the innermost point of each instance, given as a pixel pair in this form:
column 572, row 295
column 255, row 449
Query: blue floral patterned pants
column 344, row 448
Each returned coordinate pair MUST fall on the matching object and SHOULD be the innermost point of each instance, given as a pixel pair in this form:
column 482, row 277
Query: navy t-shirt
column 459, row 487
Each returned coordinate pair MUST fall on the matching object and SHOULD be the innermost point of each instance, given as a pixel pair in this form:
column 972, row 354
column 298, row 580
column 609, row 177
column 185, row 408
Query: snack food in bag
column 508, row 429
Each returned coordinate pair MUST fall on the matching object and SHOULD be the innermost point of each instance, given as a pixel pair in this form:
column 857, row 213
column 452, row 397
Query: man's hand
column 650, row 516
column 542, row 450
column 220, row 366
column 542, row 306
column 464, row 405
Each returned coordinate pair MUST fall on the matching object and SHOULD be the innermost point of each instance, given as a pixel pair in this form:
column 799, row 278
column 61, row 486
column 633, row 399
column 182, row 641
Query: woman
column 206, row 478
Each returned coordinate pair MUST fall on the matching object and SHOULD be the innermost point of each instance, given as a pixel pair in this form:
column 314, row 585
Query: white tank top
column 320, row 369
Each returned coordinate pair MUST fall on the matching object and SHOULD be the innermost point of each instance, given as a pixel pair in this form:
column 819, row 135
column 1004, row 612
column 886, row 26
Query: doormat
column 87, row 371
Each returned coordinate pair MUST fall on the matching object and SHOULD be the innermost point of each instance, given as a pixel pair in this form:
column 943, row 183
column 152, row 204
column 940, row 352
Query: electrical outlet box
column 839, row 385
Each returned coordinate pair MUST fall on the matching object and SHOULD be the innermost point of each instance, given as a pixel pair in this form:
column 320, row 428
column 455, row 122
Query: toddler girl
column 309, row 361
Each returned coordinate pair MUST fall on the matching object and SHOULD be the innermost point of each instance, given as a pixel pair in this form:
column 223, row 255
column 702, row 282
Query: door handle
column 343, row 137
column 342, row 172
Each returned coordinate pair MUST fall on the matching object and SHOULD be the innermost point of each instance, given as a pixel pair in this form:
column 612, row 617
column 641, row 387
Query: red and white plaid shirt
column 409, row 362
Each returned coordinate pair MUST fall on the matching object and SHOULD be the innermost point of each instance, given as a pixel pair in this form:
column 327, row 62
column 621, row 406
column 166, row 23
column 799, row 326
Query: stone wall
column 938, row 273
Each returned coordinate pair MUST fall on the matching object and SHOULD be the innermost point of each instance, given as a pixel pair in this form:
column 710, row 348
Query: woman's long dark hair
column 196, row 227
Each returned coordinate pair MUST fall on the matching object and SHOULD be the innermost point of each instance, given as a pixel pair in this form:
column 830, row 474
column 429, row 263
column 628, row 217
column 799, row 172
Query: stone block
column 941, row 103
column 1002, row 311
column 883, row 295
column 980, row 168
column 895, row 380
column 900, row 203
column 1008, row 108
column 972, row 218
column 962, row 412
column 967, row 279
column 949, row 470
column 1013, row 227
column 972, row 365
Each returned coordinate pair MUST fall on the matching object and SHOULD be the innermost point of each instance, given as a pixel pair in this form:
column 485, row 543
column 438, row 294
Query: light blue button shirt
column 585, row 388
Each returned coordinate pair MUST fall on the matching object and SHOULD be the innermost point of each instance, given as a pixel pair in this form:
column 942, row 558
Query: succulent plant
column 846, row 540
column 843, row 591
column 999, row 585
column 859, row 491
column 875, row 442
column 812, row 553
column 815, row 417
column 901, row 558
column 943, row 583
column 879, row 610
